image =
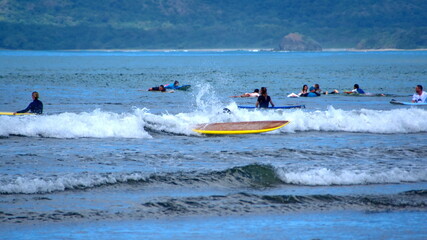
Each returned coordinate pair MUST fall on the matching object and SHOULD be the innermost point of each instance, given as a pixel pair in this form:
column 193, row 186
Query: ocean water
column 110, row 160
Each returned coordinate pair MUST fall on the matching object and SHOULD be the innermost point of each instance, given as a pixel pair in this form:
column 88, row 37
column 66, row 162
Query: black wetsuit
column 263, row 102
column 35, row 107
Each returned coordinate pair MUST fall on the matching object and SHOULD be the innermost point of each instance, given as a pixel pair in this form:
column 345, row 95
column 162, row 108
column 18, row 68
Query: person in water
column 252, row 94
column 304, row 91
column 36, row 106
column 160, row 88
column 315, row 89
column 264, row 99
column 419, row 96
column 357, row 89
column 173, row 85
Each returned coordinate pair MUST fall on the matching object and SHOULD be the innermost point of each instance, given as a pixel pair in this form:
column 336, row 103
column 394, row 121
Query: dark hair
column 256, row 90
column 316, row 86
column 175, row 82
column 305, row 85
column 263, row 90
column 164, row 89
column 420, row 87
column 36, row 94
column 356, row 85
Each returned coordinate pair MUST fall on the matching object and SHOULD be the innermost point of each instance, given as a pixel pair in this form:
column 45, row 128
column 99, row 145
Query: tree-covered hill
column 150, row 24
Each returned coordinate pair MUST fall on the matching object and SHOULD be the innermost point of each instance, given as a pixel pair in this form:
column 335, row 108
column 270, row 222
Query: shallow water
column 107, row 158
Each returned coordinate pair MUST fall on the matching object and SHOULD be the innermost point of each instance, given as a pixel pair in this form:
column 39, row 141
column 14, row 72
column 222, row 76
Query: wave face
column 140, row 122
column 254, row 176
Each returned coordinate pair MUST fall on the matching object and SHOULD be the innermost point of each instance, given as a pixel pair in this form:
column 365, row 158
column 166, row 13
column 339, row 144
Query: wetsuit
column 359, row 91
column 263, row 102
column 35, row 107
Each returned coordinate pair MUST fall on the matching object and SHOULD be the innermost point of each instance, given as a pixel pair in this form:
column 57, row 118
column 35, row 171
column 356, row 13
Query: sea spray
column 101, row 124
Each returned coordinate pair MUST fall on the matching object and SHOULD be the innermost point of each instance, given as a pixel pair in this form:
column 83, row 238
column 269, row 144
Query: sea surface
column 110, row 160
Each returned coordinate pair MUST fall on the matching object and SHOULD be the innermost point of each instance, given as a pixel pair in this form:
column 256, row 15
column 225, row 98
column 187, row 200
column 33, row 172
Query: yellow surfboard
column 239, row 127
column 18, row 114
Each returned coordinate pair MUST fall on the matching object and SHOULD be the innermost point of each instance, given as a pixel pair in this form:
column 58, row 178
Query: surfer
column 357, row 89
column 315, row 89
column 304, row 91
column 252, row 94
column 172, row 85
column 264, row 99
column 419, row 96
column 160, row 88
column 36, row 106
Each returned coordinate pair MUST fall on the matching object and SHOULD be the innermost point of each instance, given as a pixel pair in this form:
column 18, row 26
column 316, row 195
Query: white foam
column 29, row 185
column 97, row 124
column 326, row 177
column 100, row 124
column 337, row 120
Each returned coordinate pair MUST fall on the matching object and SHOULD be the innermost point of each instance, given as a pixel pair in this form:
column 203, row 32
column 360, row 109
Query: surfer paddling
column 36, row 106
column 419, row 96
column 264, row 99
column 252, row 94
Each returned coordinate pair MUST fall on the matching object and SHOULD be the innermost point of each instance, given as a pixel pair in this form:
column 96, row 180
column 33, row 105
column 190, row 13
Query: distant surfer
column 264, row 99
column 160, row 88
column 172, row 85
column 315, row 89
column 419, row 96
column 36, row 106
column 357, row 89
column 304, row 91
column 255, row 93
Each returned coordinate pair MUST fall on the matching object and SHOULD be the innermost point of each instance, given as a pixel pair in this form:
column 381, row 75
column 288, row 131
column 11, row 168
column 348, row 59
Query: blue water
column 110, row 160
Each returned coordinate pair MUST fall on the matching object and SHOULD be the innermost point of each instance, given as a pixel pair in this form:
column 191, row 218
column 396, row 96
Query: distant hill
column 177, row 24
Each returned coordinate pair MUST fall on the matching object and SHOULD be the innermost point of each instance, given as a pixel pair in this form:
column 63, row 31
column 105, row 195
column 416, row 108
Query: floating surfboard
column 407, row 103
column 239, row 127
column 276, row 107
column 18, row 114
column 183, row 87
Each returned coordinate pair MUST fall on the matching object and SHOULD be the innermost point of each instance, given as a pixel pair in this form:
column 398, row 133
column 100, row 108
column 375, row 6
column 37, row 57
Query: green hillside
column 150, row 24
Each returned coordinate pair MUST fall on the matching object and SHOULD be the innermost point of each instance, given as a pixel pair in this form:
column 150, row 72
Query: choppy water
column 107, row 160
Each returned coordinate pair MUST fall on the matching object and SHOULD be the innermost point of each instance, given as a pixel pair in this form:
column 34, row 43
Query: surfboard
column 18, row 114
column 407, row 103
column 276, row 107
column 239, row 127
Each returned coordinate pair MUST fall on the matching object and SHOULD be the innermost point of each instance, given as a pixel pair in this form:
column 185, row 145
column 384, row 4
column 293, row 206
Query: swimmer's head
column 256, row 90
column 35, row 95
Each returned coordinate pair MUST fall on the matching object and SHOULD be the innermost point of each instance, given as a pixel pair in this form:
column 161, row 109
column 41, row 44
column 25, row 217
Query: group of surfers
column 419, row 96
column 263, row 101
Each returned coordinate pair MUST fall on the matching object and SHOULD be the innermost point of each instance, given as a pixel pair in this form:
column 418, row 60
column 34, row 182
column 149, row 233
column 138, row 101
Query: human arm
column 25, row 110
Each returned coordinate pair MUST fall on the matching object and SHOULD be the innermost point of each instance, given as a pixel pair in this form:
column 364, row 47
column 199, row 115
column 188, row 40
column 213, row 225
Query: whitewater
column 110, row 160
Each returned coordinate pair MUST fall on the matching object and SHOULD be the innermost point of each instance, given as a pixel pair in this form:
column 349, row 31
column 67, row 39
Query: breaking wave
column 140, row 122
column 254, row 176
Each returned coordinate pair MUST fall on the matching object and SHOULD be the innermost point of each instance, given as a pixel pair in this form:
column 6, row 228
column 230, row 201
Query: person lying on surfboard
column 357, row 89
column 419, row 96
column 172, row 85
column 264, row 99
column 36, row 106
column 252, row 94
column 160, row 88
column 315, row 89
